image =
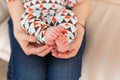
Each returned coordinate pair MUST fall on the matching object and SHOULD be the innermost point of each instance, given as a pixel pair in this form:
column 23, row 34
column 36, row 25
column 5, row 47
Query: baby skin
column 55, row 37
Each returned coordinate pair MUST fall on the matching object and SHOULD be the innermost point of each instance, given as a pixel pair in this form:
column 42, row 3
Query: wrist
column 82, row 25
column 80, row 32
column 17, row 28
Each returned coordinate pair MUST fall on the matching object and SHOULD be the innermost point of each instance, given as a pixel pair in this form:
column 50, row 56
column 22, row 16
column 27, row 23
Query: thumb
column 29, row 38
column 72, row 46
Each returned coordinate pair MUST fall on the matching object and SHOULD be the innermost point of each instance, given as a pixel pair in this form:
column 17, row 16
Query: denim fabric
column 23, row 67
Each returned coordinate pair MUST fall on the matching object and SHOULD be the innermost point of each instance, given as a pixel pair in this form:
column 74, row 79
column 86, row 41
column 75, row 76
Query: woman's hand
column 16, row 9
column 74, row 47
column 81, row 10
column 28, row 43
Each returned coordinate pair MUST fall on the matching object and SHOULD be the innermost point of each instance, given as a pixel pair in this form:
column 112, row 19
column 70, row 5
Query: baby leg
column 68, row 21
column 33, row 25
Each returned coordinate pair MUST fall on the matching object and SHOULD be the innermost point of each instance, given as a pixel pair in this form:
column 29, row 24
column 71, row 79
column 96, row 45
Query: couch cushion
column 3, row 10
column 4, row 41
column 115, row 2
column 102, row 54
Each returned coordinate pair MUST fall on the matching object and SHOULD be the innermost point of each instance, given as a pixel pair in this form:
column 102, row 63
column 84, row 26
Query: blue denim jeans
column 23, row 67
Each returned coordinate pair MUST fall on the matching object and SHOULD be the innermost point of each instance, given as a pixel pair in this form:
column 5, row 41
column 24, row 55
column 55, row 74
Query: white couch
column 4, row 37
column 101, row 60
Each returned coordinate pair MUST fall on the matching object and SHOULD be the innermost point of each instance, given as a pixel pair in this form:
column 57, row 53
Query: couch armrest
column 4, row 41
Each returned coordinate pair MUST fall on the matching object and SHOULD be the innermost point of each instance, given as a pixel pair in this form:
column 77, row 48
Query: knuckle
column 26, row 51
column 47, row 51
column 42, row 55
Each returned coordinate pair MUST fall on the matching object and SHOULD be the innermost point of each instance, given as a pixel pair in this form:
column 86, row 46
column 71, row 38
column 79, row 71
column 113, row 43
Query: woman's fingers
column 58, row 54
column 73, row 49
column 33, row 50
column 28, row 43
column 45, row 52
column 66, row 55
column 29, row 49
column 73, row 46
column 28, row 38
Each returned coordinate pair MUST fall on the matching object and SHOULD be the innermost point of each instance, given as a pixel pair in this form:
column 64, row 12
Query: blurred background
column 101, row 60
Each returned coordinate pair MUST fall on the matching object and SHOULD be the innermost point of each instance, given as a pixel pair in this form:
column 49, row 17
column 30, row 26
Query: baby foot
column 51, row 34
column 62, row 43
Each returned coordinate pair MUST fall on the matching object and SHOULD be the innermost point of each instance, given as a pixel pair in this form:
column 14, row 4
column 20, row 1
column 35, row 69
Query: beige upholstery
column 4, row 38
column 3, row 11
column 101, row 60
column 4, row 41
column 115, row 2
